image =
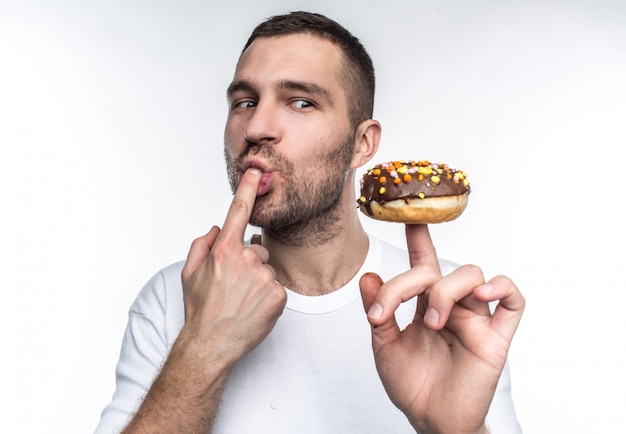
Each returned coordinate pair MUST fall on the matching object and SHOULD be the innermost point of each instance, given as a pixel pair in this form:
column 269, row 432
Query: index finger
column 241, row 207
column 420, row 246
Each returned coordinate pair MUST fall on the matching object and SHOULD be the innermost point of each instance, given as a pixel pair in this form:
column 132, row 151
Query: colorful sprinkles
column 397, row 172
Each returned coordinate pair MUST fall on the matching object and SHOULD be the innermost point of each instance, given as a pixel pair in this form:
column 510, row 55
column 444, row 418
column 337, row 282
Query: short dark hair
column 358, row 71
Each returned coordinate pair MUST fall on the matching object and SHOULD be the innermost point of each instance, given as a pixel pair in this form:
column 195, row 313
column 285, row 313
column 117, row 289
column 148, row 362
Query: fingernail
column 431, row 316
column 254, row 171
column 487, row 288
column 376, row 311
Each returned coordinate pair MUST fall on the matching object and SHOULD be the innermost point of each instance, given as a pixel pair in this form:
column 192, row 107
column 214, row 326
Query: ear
column 366, row 139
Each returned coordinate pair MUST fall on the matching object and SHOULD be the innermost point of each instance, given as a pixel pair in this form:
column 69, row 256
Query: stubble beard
column 309, row 212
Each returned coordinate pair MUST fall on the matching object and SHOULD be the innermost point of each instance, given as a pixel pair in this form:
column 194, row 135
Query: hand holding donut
column 452, row 355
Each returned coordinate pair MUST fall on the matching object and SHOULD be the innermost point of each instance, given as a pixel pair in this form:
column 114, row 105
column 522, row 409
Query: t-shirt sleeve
column 501, row 417
column 144, row 349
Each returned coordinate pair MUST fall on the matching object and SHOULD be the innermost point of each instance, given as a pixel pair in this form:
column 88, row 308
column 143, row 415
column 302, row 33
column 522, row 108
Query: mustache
column 268, row 154
column 270, row 158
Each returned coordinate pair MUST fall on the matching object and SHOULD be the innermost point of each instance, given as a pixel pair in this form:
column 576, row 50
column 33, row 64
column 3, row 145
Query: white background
column 111, row 123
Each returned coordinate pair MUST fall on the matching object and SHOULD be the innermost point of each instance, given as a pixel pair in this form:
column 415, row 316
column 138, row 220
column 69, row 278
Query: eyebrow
column 241, row 85
column 303, row 86
column 306, row 87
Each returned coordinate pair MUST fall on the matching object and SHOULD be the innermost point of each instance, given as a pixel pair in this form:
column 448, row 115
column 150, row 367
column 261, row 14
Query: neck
column 323, row 263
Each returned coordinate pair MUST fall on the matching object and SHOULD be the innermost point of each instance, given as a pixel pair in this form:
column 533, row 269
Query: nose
column 263, row 125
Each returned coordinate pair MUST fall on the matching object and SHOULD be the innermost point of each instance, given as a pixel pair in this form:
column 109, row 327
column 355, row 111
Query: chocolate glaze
column 447, row 182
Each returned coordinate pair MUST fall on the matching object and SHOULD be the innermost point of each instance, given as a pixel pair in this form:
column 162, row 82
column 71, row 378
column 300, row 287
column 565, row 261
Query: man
column 270, row 335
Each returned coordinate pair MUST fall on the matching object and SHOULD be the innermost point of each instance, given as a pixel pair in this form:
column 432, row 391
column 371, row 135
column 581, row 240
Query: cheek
column 328, row 142
column 232, row 139
column 317, row 142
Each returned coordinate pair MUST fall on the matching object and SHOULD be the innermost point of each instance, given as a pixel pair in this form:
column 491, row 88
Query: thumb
column 199, row 252
column 384, row 332
column 369, row 284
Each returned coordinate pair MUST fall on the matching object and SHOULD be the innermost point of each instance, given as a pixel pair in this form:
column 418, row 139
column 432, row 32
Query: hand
column 232, row 299
column 443, row 368
column 232, row 302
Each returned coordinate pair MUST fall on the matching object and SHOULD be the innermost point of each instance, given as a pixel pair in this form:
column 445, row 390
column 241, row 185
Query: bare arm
column 184, row 397
column 232, row 302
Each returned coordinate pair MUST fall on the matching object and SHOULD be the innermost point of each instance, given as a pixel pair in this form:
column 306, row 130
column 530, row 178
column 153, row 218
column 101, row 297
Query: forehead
column 299, row 57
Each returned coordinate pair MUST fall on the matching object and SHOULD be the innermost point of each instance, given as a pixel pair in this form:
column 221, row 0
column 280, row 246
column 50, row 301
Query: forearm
column 185, row 396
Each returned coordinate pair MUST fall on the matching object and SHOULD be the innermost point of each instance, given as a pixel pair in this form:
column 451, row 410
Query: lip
column 267, row 177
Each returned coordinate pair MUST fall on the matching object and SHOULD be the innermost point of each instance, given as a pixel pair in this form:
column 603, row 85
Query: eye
column 244, row 104
column 302, row 104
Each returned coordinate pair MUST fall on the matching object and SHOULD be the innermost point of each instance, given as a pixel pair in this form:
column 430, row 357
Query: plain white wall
column 111, row 123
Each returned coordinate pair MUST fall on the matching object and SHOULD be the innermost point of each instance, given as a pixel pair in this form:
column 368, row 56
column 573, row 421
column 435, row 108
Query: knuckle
column 266, row 276
column 254, row 254
column 511, row 287
column 196, row 243
column 220, row 252
column 504, row 281
column 247, row 252
column 473, row 269
column 390, row 294
column 278, row 295
column 438, row 290
column 249, row 256
column 472, row 274
column 239, row 206
column 185, row 275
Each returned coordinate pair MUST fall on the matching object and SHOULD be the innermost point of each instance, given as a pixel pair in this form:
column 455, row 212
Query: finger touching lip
column 265, row 183
column 267, row 175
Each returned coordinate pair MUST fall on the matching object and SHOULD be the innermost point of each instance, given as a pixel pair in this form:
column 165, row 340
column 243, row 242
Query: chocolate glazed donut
column 413, row 192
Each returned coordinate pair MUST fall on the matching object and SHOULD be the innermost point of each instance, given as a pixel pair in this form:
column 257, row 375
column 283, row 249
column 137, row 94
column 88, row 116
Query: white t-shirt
column 313, row 374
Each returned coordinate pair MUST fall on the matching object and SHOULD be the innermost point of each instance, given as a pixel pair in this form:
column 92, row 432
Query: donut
column 418, row 192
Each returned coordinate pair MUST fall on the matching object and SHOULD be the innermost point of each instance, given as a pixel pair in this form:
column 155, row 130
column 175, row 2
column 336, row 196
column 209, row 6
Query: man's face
column 288, row 117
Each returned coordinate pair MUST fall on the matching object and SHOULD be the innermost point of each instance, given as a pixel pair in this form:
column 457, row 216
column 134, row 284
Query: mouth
column 267, row 177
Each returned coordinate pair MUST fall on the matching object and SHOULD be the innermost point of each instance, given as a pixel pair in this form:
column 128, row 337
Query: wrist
column 209, row 359
column 188, row 389
column 422, row 430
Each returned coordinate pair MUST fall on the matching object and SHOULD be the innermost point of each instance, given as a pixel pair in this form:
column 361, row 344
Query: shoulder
column 161, row 298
